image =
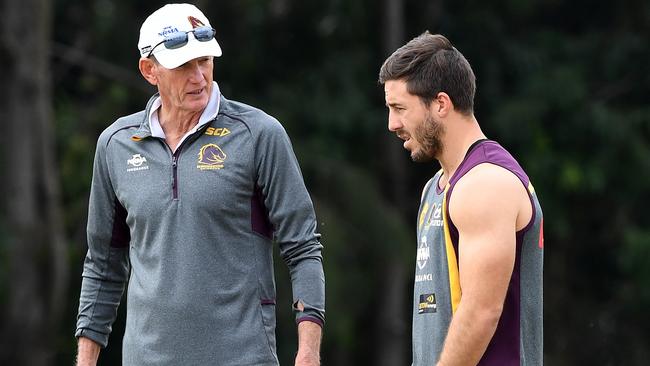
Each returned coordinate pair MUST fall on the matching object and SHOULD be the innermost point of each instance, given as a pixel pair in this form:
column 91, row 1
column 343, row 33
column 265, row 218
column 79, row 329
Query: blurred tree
column 34, row 244
column 392, row 329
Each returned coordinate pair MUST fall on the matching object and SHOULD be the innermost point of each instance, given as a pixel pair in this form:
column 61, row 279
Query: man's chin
column 420, row 156
column 197, row 105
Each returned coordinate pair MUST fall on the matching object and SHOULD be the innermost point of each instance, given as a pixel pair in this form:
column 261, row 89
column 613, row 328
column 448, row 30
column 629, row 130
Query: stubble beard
column 429, row 137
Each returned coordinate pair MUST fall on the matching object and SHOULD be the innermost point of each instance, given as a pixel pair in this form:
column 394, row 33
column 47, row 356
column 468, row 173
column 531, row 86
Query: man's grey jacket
column 191, row 232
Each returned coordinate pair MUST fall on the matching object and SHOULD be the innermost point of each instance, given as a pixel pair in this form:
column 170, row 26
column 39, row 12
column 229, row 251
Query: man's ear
column 442, row 105
column 147, row 68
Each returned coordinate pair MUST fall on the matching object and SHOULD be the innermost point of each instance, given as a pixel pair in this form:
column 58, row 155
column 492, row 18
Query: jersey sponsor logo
column 423, row 252
column 423, row 215
column 435, row 216
column 219, row 131
column 137, row 162
column 427, row 303
column 211, row 157
column 427, row 277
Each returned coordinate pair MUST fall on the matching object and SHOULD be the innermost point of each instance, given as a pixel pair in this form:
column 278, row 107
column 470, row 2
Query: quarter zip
column 175, row 175
column 176, row 155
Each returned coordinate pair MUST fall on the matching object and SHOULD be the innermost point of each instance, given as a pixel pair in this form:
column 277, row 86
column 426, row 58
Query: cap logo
column 168, row 30
column 195, row 22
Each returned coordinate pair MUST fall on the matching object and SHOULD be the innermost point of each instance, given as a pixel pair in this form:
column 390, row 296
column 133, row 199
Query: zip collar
column 150, row 126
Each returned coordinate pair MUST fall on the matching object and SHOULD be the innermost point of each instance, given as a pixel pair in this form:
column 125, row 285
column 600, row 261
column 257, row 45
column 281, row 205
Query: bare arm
column 87, row 352
column 488, row 206
column 309, row 336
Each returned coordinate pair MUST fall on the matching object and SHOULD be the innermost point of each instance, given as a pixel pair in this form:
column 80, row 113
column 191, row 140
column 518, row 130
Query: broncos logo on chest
column 211, row 157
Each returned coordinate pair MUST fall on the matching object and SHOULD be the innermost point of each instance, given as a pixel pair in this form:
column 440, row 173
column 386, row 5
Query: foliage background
column 562, row 84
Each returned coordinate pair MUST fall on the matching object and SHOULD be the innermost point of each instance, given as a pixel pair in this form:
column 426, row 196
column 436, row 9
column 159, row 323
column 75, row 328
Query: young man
column 478, row 276
column 187, row 199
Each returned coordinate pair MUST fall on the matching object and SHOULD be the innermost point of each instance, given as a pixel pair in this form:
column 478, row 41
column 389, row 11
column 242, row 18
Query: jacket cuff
column 99, row 338
column 308, row 318
column 306, row 312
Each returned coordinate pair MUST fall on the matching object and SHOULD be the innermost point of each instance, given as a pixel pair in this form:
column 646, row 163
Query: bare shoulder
column 489, row 179
column 486, row 195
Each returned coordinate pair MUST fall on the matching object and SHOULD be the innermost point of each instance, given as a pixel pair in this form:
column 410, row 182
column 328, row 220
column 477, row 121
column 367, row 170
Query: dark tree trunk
column 393, row 336
column 36, row 248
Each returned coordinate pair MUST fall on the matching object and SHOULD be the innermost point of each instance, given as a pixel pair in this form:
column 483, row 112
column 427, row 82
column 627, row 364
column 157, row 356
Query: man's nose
column 194, row 71
column 394, row 123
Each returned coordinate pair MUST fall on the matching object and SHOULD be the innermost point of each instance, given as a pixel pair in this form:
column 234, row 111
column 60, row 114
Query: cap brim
column 172, row 59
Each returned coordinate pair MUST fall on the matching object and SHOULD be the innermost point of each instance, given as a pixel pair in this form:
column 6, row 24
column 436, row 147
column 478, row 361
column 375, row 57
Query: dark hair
column 430, row 64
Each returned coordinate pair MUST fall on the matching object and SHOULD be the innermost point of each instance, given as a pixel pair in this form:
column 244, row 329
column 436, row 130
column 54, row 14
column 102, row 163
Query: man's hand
column 309, row 335
column 87, row 352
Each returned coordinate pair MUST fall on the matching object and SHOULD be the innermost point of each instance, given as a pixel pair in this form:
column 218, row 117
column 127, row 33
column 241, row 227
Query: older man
column 187, row 199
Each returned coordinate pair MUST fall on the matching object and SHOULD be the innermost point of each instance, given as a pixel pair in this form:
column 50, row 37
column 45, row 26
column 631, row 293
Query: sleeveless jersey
column 437, row 293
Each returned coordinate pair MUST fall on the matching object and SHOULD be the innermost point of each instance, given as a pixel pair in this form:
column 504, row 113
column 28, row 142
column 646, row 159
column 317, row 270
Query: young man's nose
column 394, row 123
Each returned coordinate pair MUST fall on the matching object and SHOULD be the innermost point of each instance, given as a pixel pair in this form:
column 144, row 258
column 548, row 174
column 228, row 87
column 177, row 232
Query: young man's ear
column 442, row 105
column 147, row 68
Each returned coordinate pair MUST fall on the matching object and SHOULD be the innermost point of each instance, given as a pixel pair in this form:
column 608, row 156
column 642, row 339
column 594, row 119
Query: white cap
column 173, row 18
